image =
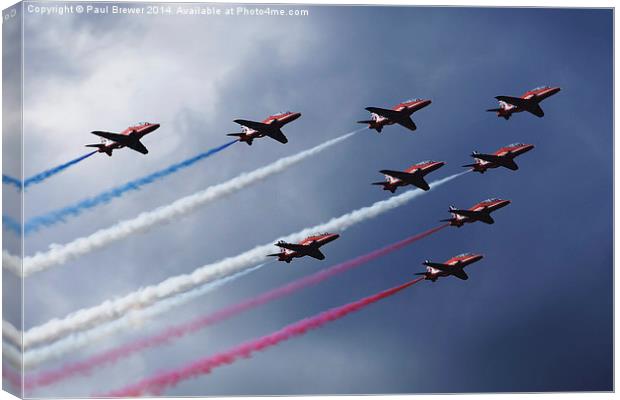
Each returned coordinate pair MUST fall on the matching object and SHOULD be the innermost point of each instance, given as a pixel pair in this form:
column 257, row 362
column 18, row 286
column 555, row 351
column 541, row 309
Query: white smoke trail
column 12, row 263
column 59, row 254
column 113, row 309
column 12, row 355
column 11, row 333
column 134, row 319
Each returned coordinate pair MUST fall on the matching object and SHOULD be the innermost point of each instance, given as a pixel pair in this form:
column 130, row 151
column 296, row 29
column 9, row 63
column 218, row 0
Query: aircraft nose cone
column 156, row 126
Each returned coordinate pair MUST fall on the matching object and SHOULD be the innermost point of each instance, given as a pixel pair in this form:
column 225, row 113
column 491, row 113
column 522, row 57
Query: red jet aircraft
column 399, row 114
column 307, row 247
column 528, row 102
column 503, row 157
column 480, row 212
column 453, row 266
column 270, row 126
column 130, row 137
column 413, row 175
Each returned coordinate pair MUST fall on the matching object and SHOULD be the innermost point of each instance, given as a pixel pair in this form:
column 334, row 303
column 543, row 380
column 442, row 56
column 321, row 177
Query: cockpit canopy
column 540, row 88
column 491, row 200
column 425, row 162
column 465, row 255
column 412, row 100
column 320, row 234
column 515, row 144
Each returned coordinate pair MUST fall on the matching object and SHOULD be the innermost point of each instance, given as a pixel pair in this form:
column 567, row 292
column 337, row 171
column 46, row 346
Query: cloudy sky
column 536, row 314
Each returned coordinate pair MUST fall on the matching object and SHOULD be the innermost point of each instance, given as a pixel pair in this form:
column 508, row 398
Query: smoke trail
column 58, row 254
column 12, row 376
column 13, row 264
column 12, row 355
column 113, row 309
column 37, row 356
column 10, row 224
column 11, row 333
column 76, row 209
column 173, row 333
column 38, row 178
column 157, row 383
column 9, row 180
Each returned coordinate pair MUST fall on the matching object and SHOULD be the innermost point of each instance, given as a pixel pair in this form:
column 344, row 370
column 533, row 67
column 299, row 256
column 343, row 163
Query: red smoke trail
column 157, row 383
column 114, row 354
column 12, row 376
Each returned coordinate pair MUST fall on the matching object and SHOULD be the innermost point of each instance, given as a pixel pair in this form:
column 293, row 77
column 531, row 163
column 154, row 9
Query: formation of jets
column 400, row 114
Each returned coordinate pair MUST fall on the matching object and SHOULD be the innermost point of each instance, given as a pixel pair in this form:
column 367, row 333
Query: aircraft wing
column 412, row 179
column 439, row 266
column 137, row 146
column 475, row 215
column 459, row 273
column 115, row 137
column 277, row 134
column 269, row 130
column 398, row 117
column 314, row 253
column 125, row 140
column 257, row 126
column 527, row 105
column 390, row 114
column 505, row 162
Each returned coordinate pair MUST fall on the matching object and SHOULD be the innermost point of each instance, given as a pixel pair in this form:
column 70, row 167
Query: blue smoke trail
column 9, row 180
column 38, row 178
column 54, row 217
column 10, row 224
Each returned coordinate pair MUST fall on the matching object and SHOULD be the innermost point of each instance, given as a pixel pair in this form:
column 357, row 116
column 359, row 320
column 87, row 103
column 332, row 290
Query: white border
column 482, row 3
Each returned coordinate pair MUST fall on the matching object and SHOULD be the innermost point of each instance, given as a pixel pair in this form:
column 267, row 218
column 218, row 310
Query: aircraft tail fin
column 386, row 186
column 241, row 137
column 102, row 148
